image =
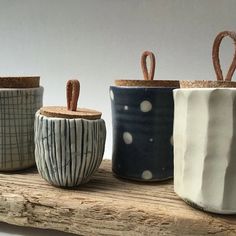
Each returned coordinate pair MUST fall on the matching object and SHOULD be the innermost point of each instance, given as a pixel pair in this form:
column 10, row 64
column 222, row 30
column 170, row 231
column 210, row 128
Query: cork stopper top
column 148, row 76
column 220, row 82
column 71, row 111
column 20, row 82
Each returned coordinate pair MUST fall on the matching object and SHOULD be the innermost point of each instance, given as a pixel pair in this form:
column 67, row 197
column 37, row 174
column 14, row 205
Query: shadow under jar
column 142, row 117
column 69, row 142
column 20, row 98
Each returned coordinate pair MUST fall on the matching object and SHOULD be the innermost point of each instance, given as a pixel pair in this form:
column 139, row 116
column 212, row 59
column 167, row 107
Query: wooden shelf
column 104, row 206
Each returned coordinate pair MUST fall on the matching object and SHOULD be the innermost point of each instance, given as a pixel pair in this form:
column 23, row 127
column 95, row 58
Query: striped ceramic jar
column 68, row 151
column 17, row 111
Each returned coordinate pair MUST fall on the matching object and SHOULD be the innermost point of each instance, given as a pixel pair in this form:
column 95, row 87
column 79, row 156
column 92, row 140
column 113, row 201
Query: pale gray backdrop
column 98, row 41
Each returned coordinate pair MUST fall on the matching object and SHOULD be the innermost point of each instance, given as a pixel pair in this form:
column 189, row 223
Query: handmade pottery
column 69, row 143
column 205, row 148
column 142, row 117
column 204, row 140
column 18, row 107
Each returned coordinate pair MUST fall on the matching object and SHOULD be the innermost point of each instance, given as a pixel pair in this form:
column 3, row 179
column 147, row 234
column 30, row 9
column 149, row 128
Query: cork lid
column 219, row 82
column 20, row 82
column 148, row 76
column 71, row 111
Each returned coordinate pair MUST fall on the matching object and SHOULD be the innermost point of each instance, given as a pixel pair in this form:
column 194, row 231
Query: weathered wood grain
column 104, row 206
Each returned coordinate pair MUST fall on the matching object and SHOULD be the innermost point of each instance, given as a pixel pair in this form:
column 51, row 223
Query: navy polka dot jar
column 142, row 117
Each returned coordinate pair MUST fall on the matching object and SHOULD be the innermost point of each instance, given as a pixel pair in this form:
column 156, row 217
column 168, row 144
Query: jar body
column 142, row 132
column 68, row 151
column 205, row 148
column 17, row 112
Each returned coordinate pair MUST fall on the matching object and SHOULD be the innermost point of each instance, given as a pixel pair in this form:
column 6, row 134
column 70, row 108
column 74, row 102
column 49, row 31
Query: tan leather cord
column 72, row 94
column 148, row 75
column 216, row 59
column 71, row 111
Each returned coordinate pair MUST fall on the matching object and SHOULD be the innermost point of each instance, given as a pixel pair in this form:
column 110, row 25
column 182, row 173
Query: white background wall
column 98, row 41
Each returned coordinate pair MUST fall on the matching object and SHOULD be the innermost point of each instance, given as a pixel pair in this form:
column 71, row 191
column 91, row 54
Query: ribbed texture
column 68, row 151
column 205, row 148
column 17, row 111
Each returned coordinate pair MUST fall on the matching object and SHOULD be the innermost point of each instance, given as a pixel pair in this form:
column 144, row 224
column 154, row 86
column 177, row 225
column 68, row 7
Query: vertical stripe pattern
column 68, row 151
column 17, row 112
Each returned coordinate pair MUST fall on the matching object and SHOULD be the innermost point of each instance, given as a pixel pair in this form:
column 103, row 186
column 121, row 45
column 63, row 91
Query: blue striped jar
column 142, row 119
column 68, row 146
column 20, row 98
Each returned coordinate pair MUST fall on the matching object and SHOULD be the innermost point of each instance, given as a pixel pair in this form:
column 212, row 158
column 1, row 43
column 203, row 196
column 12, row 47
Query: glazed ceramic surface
column 142, row 132
column 68, row 151
column 17, row 111
column 205, row 148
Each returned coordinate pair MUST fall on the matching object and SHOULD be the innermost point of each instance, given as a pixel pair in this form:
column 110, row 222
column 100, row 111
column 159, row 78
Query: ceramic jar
column 204, row 148
column 69, row 145
column 205, row 141
column 20, row 98
column 142, row 117
column 142, row 132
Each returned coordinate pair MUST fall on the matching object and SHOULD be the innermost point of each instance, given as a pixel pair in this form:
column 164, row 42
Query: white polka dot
column 111, row 95
column 127, row 137
column 145, row 106
column 171, row 140
column 163, row 168
column 126, row 108
column 147, row 174
column 151, row 140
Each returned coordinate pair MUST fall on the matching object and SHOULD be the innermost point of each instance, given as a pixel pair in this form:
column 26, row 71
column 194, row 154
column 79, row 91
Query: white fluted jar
column 205, row 148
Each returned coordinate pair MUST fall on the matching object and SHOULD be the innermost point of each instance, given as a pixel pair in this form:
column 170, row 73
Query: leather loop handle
column 148, row 75
column 216, row 59
column 72, row 94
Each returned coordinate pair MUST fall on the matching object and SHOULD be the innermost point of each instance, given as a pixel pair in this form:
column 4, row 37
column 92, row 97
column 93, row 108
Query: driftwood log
column 104, row 206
